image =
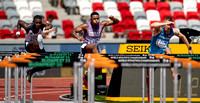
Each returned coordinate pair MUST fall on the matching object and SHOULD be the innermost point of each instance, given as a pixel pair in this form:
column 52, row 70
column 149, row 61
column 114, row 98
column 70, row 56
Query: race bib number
column 94, row 41
column 160, row 43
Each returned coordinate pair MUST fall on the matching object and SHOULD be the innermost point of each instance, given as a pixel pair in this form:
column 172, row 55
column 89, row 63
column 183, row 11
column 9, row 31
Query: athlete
column 91, row 32
column 33, row 38
column 162, row 32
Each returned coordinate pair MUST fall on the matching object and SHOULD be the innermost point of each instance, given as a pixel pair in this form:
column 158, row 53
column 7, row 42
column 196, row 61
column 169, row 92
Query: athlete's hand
column 190, row 52
column 170, row 23
column 81, row 39
column 111, row 17
column 17, row 34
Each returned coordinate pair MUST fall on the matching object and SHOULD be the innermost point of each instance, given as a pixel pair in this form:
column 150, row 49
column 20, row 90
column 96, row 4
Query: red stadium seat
column 122, row 6
column 131, row 25
column 5, row 33
column 137, row 0
column 134, row 35
column 68, row 26
column 22, row 33
column 126, row 16
column 97, row 6
column 3, row 15
column 146, row 35
column 178, row 0
column 119, row 28
column 149, row 6
column 179, row 15
column 192, row 15
column 198, row 7
column 163, row 6
column 164, row 14
column 51, row 13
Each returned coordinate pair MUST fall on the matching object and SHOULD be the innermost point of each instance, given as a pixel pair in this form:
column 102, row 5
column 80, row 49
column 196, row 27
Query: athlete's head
column 37, row 20
column 94, row 18
column 167, row 27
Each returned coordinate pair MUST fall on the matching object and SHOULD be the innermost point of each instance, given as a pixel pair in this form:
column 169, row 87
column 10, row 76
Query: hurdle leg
column 6, row 84
column 189, row 84
column 175, row 81
column 164, row 85
column 161, row 84
column 143, row 84
column 31, row 91
column 16, row 85
column 80, row 84
column 150, row 84
column 75, row 82
column 21, row 99
column 92, row 83
column 24, row 85
column 9, row 85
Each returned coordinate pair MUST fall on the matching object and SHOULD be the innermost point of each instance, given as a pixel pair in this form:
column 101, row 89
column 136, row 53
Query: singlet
column 30, row 36
column 92, row 36
column 160, row 42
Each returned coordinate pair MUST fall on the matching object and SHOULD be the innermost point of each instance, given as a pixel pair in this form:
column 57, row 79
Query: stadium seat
column 67, row 33
column 119, row 28
column 180, row 23
column 127, row 1
column 192, row 15
column 126, row 16
column 139, row 15
column 1, row 6
column 109, row 0
column 123, row 6
column 153, row 15
column 3, row 15
column 149, row 6
column 103, row 15
column 146, row 35
column 175, row 6
column 25, row 14
column 137, row 0
column 97, row 6
column 12, row 14
column 114, row 13
column 134, row 35
column 9, row 5
column 85, row 8
column 5, row 24
column 95, row 1
column 178, row 15
column 143, row 24
column 78, row 1
column 190, row 6
column 194, row 24
column 164, row 14
column 14, row 23
column 130, row 25
column 54, row 13
column 21, row 5
column 198, row 7
column 163, row 6
column 110, row 5
column 5, row 33
column 38, row 13
column 22, row 33
column 67, row 24
column 56, row 23
column 70, row 6
column 136, row 6
column 60, row 32
column 181, row 1
column 35, row 6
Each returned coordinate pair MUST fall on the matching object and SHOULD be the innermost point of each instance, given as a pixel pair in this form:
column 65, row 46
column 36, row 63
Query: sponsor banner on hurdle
column 144, row 48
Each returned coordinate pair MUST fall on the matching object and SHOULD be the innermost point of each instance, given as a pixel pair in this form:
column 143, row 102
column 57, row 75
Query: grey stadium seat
column 109, row 0
column 139, row 15
column 60, row 32
column 14, row 23
column 70, row 6
column 175, row 6
column 38, row 13
column 128, row 1
column 103, row 15
column 9, row 5
column 1, row 6
column 56, row 23
column 12, row 14
column 5, row 24
column 180, row 23
column 194, row 24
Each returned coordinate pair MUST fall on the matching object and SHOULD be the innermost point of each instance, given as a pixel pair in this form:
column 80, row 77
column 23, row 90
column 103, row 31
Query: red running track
column 44, row 89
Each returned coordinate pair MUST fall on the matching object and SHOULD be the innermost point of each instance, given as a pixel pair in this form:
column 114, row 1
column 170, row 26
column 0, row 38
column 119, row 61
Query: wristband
column 18, row 33
column 190, row 48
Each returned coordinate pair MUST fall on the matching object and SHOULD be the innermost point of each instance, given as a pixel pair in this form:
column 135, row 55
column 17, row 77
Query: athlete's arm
column 157, row 27
column 79, row 29
column 181, row 36
column 23, row 24
column 112, row 21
